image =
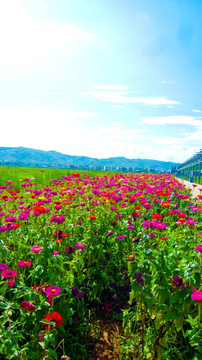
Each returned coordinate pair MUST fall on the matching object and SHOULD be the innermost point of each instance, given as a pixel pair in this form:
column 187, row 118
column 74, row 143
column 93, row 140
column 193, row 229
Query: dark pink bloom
column 9, row 274
column 197, row 295
column 27, row 306
column 80, row 246
column 52, row 291
column 24, row 263
column 199, row 248
column 56, row 253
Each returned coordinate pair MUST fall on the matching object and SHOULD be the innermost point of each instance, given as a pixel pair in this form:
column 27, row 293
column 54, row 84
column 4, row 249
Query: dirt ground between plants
column 196, row 189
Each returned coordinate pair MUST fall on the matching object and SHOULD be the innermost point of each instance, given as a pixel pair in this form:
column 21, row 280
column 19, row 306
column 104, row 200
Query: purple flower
column 55, row 253
column 130, row 227
column 75, row 292
column 3, row 267
column 109, row 233
column 69, row 249
column 139, row 278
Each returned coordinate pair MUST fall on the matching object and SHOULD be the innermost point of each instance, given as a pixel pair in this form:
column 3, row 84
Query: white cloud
column 197, row 111
column 24, row 42
column 177, row 119
column 120, row 97
column 117, row 106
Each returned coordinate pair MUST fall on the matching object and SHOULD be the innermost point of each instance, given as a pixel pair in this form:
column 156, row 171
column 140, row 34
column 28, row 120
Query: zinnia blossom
column 59, row 219
column 55, row 318
column 80, row 246
column 197, row 295
column 92, row 217
column 24, row 263
column 120, row 237
column 197, row 248
column 3, row 267
column 36, row 249
column 27, row 306
column 75, row 292
column 52, row 291
column 9, row 274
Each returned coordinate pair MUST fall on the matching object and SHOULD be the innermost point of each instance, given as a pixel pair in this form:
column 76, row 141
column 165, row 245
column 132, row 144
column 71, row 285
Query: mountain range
column 21, row 156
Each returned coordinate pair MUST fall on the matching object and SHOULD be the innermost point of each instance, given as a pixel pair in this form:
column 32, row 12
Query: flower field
column 79, row 249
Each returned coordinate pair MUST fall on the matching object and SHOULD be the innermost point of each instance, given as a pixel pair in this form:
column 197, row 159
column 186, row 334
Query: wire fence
column 191, row 169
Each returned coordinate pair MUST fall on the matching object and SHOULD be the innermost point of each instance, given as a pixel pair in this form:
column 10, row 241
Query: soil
column 107, row 347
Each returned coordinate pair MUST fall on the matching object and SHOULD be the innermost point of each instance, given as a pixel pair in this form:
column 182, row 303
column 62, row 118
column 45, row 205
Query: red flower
column 157, row 216
column 92, row 217
column 54, row 317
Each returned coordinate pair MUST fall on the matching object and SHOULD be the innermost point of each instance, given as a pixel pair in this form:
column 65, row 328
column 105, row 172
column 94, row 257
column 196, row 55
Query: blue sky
column 102, row 78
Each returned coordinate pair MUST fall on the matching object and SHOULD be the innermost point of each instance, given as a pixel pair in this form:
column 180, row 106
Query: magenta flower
column 55, row 253
column 52, row 291
column 109, row 233
column 36, row 249
column 59, row 219
column 24, row 263
column 130, row 227
column 199, row 248
column 80, row 246
column 11, row 283
column 10, row 219
column 27, row 306
column 120, row 237
column 197, row 295
column 9, row 274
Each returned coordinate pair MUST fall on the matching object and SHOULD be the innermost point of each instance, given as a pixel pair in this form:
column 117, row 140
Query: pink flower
column 197, row 295
column 24, row 263
column 52, row 291
column 199, row 248
column 80, row 246
column 36, row 249
column 9, row 274
column 55, row 253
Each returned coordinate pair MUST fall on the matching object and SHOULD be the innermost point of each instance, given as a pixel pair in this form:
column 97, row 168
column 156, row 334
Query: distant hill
column 21, row 156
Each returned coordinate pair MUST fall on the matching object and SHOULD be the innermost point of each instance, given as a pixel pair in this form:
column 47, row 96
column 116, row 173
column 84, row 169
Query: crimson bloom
column 24, row 263
column 27, row 306
column 55, row 318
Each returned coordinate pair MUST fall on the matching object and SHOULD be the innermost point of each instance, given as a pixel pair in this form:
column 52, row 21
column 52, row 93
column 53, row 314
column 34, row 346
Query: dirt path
column 196, row 189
